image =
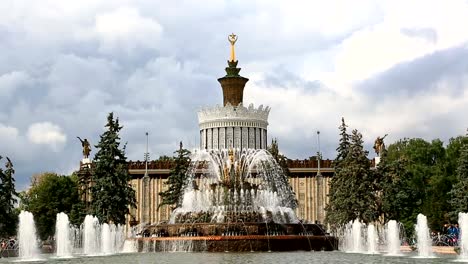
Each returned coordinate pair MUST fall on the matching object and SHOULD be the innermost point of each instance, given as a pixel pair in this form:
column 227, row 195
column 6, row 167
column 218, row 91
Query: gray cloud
column 421, row 76
column 154, row 64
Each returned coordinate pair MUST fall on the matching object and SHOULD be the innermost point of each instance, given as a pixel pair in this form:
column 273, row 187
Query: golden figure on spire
column 232, row 39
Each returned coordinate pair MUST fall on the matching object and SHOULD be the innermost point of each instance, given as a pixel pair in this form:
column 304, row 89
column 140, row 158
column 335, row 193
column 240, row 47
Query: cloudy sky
column 396, row 67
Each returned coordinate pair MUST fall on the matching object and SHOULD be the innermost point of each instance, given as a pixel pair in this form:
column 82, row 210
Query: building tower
column 233, row 125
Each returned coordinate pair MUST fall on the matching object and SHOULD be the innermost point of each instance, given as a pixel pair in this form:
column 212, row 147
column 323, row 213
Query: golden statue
column 379, row 145
column 86, row 147
column 232, row 39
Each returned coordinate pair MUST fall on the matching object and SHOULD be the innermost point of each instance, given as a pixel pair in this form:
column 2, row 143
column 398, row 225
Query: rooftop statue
column 379, row 144
column 86, row 147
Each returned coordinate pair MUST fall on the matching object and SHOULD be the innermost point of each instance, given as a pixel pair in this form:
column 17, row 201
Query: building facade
column 311, row 190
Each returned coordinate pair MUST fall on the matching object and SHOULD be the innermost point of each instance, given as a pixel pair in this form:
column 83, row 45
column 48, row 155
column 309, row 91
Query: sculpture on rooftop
column 86, row 147
column 379, row 145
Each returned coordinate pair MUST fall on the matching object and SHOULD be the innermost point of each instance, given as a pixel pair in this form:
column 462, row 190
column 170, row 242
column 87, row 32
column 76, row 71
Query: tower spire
column 232, row 39
column 233, row 84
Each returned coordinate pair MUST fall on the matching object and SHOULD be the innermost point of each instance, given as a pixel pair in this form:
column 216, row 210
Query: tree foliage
column 49, row 195
column 8, row 215
column 336, row 207
column 459, row 197
column 279, row 158
column 353, row 187
column 111, row 193
column 177, row 179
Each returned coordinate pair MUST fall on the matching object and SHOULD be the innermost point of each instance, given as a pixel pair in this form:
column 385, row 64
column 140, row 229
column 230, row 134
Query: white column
column 251, row 137
column 237, row 137
column 222, row 137
column 215, row 138
column 245, row 138
column 209, row 138
column 257, row 138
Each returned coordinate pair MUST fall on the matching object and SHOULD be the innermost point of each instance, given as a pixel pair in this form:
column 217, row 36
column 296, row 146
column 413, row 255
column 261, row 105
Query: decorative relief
column 230, row 112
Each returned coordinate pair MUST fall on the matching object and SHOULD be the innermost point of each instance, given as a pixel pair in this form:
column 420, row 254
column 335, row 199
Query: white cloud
column 124, row 28
column 48, row 134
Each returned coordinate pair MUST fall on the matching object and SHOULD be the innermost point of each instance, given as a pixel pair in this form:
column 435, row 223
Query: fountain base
column 235, row 237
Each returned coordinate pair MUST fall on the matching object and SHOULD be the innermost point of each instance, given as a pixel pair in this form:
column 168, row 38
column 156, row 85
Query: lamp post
column 145, row 200
column 319, row 180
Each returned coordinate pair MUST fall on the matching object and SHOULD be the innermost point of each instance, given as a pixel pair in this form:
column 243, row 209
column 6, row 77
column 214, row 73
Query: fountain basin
column 235, row 237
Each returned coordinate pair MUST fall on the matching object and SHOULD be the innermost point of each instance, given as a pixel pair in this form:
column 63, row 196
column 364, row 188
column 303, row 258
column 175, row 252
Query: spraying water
column 463, row 222
column 352, row 237
column 393, row 238
column 423, row 237
column 247, row 181
column 62, row 236
column 27, row 237
column 91, row 231
column 371, row 239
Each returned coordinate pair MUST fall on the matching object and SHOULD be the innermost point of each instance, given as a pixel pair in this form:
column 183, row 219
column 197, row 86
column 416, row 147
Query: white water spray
column 371, row 239
column 393, row 238
column 27, row 237
column 62, row 236
column 423, row 237
column 91, row 232
column 463, row 222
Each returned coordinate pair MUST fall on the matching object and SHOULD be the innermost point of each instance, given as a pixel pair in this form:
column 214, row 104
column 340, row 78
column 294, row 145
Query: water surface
column 254, row 258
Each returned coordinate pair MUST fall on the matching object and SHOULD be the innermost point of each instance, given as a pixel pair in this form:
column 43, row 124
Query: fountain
column 371, row 239
column 463, row 222
column 424, row 242
column 62, row 236
column 240, row 184
column 236, row 200
column 27, row 237
column 91, row 231
column 393, row 238
column 352, row 238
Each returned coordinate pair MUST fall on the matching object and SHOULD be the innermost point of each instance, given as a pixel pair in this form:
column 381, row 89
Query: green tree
column 423, row 179
column 49, row 195
column 279, row 158
column 111, row 193
column 336, row 208
column 395, row 196
column 361, row 181
column 8, row 193
column 459, row 197
column 177, row 179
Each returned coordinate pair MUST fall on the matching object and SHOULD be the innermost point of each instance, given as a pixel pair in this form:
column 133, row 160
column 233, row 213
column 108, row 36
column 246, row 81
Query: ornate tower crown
column 233, row 84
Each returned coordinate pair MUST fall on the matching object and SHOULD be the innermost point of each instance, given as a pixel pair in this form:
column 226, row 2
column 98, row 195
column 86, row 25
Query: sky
column 388, row 67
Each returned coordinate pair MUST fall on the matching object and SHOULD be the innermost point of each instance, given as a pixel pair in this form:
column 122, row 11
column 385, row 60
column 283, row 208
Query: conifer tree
column 459, row 197
column 177, row 179
column 111, row 194
column 279, row 158
column 361, row 192
column 336, row 209
column 7, row 200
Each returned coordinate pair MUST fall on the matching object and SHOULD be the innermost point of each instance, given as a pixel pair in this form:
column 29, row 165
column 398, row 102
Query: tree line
column 414, row 176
